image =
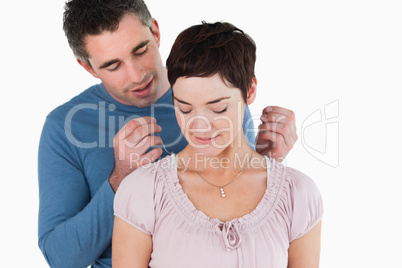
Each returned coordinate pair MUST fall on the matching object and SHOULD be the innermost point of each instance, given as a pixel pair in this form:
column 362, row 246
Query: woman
column 217, row 203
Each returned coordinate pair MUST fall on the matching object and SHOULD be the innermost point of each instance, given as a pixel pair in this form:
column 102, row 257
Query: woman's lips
column 205, row 140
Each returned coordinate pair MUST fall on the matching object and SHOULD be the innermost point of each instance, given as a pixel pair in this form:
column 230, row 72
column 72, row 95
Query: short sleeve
column 134, row 200
column 307, row 207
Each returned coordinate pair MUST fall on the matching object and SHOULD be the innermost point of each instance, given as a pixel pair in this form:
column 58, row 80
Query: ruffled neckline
column 187, row 208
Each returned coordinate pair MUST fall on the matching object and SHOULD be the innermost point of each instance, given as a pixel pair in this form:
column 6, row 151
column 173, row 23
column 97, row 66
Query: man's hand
column 130, row 148
column 277, row 132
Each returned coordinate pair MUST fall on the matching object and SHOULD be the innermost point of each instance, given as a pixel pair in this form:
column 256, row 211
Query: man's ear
column 156, row 31
column 87, row 68
column 252, row 91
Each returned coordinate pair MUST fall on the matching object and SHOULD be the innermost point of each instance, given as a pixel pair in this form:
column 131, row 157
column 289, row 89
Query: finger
column 278, row 110
column 279, row 128
column 262, row 138
column 271, row 140
column 133, row 124
column 141, row 132
column 274, row 117
column 146, row 143
column 137, row 153
column 265, row 141
column 276, row 131
column 150, row 157
column 277, row 118
column 280, row 149
column 266, row 137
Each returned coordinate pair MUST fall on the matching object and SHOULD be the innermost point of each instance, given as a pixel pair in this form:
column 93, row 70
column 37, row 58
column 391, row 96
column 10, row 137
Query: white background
column 310, row 54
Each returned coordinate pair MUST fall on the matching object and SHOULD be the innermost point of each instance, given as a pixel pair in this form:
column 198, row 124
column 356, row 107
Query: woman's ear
column 252, row 91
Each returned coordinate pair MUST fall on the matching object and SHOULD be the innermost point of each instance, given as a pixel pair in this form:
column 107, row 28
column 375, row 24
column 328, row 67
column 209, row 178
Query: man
column 81, row 158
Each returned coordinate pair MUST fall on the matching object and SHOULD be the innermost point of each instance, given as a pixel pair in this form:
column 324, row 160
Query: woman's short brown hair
column 210, row 48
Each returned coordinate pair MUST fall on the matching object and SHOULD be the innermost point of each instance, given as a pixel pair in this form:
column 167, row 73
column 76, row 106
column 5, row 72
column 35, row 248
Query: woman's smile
column 206, row 140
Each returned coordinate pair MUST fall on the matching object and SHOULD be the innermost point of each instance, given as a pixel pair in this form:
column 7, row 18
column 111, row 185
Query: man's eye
column 141, row 50
column 114, row 67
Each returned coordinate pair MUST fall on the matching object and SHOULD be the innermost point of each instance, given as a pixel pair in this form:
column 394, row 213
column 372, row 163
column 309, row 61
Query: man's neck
column 165, row 84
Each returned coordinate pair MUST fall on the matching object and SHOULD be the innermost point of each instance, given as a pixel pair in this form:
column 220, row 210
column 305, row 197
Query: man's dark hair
column 210, row 48
column 92, row 17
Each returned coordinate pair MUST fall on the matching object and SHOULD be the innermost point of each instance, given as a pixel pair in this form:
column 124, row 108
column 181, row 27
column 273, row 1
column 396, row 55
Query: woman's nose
column 199, row 123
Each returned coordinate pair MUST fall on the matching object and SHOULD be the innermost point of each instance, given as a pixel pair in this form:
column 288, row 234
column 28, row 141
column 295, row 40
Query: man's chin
column 145, row 102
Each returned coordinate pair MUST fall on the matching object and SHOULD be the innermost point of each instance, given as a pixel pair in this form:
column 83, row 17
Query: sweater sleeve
column 248, row 127
column 74, row 227
column 306, row 207
column 134, row 202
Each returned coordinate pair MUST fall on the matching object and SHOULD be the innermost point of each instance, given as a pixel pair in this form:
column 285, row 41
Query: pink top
column 152, row 200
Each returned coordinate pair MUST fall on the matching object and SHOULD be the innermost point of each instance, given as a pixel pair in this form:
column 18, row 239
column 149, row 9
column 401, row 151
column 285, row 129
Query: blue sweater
column 75, row 161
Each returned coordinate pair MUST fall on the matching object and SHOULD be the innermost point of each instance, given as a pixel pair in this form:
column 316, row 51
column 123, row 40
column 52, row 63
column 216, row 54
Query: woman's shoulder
column 140, row 194
column 301, row 181
column 288, row 178
column 145, row 184
column 299, row 196
column 150, row 173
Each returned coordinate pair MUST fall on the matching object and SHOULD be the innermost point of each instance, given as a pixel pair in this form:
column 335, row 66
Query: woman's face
column 209, row 112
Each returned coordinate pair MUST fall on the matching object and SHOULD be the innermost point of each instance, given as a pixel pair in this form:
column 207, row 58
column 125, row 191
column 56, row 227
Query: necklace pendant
column 222, row 192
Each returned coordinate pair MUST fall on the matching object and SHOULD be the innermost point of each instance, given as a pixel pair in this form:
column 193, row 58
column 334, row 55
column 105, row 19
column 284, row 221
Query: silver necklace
column 221, row 186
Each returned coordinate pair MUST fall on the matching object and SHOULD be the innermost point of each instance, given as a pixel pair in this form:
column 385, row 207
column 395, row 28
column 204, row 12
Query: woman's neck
column 232, row 158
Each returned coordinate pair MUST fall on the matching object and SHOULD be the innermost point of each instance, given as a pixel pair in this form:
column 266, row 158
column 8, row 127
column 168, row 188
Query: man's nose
column 136, row 72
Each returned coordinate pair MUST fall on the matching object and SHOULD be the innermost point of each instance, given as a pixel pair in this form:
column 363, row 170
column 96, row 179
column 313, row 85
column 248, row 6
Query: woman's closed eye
column 221, row 111
column 185, row 111
column 184, row 108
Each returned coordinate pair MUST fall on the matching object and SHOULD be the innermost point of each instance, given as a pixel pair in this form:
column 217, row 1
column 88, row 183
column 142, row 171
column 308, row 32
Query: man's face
column 128, row 62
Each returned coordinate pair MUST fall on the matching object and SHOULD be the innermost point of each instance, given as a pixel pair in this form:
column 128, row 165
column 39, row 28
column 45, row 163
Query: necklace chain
column 163, row 145
column 221, row 186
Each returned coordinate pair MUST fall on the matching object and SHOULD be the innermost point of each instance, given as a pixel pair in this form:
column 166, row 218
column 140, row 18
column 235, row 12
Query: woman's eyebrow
column 181, row 101
column 217, row 100
column 210, row 102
